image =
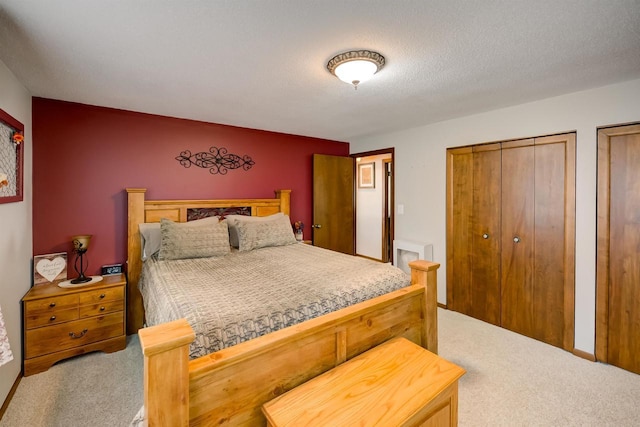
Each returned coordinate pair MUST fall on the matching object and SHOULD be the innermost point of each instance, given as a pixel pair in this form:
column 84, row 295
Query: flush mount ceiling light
column 356, row 66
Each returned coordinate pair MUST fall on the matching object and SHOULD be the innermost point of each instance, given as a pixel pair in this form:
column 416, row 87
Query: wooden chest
column 397, row 383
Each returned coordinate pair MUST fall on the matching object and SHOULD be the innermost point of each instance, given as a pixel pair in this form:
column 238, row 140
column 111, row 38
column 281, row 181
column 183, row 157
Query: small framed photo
column 49, row 268
column 367, row 175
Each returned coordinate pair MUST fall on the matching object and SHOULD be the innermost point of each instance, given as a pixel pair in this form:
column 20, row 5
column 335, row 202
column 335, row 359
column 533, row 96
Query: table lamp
column 80, row 246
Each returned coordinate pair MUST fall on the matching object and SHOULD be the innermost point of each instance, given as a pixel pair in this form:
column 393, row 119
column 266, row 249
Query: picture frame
column 11, row 158
column 367, row 175
column 49, row 268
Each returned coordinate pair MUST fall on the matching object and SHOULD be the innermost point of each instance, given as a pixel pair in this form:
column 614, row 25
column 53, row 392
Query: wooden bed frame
column 228, row 387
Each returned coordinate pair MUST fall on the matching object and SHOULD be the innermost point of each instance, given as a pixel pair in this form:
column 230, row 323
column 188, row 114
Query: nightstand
column 59, row 323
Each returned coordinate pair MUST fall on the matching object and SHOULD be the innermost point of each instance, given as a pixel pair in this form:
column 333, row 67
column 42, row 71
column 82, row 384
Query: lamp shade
column 81, row 243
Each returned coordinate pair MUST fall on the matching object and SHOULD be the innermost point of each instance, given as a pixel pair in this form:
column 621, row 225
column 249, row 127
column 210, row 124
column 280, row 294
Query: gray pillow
column 181, row 240
column 151, row 236
column 233, row 220
column 260, row 234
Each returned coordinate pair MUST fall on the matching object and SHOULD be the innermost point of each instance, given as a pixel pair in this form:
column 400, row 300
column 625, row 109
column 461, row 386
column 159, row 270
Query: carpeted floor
column 511, row 380
column 96, row 390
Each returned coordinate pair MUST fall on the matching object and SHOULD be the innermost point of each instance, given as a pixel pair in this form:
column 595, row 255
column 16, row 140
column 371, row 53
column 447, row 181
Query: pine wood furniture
column 63, row 322
column 618, row 260
column 397, row 383
column 228, row 387
column 511, row 235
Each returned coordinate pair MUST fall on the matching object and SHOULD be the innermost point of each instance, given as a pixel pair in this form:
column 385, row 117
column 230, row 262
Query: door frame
column 602, row 230
column 392, row 151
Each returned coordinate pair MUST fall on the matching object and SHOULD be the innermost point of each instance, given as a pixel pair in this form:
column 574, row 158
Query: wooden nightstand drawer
column 51, row 304
column 73, row 334
column 101, row 308
column 43, row 319
column 94, row 297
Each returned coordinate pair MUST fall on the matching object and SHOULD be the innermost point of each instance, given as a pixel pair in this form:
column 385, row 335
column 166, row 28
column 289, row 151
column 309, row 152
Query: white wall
column 369, row 211
column 16, row 245
column 420, row 173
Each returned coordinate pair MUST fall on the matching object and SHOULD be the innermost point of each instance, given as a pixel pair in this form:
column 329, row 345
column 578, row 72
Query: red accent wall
column 85, row 156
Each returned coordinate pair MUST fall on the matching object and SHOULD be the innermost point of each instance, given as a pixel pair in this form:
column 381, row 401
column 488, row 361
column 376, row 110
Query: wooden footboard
column 228, row 387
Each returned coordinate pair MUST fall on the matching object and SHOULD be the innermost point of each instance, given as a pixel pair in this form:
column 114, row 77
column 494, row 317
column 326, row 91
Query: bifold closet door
column 473, row 230
column 485, row 234
column 538, row 211
column 518, row 171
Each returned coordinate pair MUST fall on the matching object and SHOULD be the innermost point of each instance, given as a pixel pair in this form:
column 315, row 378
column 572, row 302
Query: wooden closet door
column 485, row 234
column 459, row 211
column 517, row 263
column 473, row 232
column 554, row 213
column 618, row 301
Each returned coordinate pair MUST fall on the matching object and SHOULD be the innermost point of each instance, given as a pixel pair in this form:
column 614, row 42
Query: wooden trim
column 603, row 235
column 569, row 240
column 517, row 143
column 6, row 402
column 368, row 257
column 141, row 210
column 584, row 355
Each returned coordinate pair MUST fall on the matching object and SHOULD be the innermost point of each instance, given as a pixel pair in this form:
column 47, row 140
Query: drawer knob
column 53, row 304
column 102, row 308
column 80, row 335
column 102, row 296
column 52, row 318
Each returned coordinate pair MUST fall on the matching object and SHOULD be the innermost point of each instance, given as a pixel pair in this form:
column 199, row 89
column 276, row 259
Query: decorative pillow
column 260, row 234
column 151, row 236
column 181, row 240
column 232, row 220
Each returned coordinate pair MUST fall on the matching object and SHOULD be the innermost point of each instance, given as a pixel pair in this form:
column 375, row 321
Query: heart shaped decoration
column 49, row 269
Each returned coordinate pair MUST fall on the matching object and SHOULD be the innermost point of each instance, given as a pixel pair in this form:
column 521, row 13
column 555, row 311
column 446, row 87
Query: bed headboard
column 141, row 210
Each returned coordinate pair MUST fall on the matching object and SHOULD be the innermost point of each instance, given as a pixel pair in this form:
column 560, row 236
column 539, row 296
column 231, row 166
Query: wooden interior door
column 618, row 268
column 517, row 261
column 333, row 203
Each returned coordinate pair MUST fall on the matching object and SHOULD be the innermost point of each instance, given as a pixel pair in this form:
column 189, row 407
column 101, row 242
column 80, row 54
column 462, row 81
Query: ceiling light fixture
column 356, row 66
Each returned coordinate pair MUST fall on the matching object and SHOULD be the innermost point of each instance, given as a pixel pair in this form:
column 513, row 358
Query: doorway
column 374, row 191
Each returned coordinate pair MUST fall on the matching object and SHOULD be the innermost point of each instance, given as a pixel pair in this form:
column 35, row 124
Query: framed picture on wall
column 11, row 158
column 367, row 175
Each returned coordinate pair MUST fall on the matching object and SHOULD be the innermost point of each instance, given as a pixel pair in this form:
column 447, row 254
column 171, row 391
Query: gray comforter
column 243, row 295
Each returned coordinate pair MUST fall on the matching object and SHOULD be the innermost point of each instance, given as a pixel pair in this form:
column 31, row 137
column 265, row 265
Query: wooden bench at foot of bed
column 228, row 387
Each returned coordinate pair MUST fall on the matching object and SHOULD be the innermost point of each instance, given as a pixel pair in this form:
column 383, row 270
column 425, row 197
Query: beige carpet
column 511, row 380
column 96, row 390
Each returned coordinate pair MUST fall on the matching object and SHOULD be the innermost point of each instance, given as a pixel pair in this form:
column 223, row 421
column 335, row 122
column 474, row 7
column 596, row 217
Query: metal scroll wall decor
column 217, row 160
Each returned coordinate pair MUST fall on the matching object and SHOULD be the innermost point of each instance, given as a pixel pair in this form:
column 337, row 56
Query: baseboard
column 442, row 306
column 5, row 405
column 584, row 355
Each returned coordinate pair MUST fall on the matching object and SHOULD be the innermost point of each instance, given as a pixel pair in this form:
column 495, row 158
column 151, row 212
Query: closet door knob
column 485, row 236
column 516, row 239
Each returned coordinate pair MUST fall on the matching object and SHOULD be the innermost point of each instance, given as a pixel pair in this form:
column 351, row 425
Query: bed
column 192, row 379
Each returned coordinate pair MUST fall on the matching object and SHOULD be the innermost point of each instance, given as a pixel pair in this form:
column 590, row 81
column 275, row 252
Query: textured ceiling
column 261, row 63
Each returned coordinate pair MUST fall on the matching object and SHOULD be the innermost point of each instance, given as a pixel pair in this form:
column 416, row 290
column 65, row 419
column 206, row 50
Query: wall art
column 217, row 160
column 11, row 158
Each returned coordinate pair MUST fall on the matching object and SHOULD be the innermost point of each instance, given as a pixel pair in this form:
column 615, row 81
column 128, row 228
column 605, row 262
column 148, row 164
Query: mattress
column 231, row 299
